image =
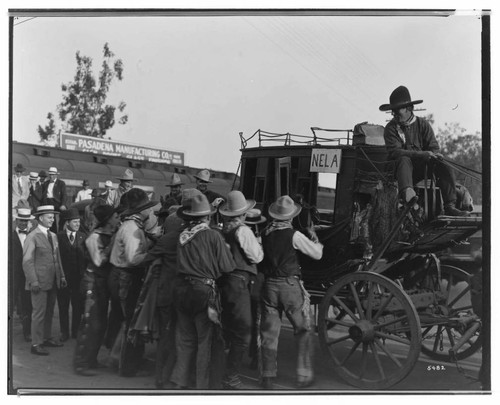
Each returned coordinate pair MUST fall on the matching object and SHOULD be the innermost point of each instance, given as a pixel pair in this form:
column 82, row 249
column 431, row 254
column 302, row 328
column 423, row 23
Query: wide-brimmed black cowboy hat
column 399, row 98
column 137, row 201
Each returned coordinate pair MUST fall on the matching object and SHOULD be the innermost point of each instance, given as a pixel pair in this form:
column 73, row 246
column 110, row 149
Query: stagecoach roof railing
column 288, row 139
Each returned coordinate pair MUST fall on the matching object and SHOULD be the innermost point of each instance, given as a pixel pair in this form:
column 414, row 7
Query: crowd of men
column 208, row 291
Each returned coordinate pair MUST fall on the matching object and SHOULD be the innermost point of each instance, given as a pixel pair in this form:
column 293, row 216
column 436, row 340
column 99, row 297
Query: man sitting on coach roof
column 411, row 142
column 44, row 274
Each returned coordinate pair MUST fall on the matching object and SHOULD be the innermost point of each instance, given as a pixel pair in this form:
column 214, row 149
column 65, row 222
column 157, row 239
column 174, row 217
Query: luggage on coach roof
column 368, row 134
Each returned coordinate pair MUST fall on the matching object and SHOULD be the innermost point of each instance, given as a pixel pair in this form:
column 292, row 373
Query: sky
column 192, row 83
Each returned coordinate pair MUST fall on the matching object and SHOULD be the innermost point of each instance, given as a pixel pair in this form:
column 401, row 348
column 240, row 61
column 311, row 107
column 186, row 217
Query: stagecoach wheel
column 455, row 302
column 370, row 329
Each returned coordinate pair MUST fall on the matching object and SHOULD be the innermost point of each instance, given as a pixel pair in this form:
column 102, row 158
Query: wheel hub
column 363, row 331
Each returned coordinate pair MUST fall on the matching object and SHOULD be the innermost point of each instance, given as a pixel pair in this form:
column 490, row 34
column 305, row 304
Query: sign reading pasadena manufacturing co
column 112, row 148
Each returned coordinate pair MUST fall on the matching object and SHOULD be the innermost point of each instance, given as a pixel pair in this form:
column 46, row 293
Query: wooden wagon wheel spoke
column 392, row 337
column 345, row 308
column 426, row 331
column 369, row 305
column 391, row 322
column 388, row 353
column 338, row 322
column 450, row 336
column 357, row 301
column 364, row 360
column 338, row 340
column 351, row 352
column 383, row 307
column 377, row 360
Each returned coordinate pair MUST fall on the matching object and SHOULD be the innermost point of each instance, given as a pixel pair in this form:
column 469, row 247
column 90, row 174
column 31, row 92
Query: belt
column 202, row 280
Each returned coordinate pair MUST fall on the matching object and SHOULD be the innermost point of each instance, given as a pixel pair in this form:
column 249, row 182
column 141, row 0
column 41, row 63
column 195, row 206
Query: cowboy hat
column 45, row 209
column 19, row 168
column 23, row 213
column 128, row 175
column 236, row 204
column 137, row 201
column 34, row 176
column 70, row 214
column 284, row 208
column 103, row 213
column 203, row 175
column 200, row 207
column 53, row 170
column 399, row 98
column 254, row 217
column 187, row 197
column 175, row 181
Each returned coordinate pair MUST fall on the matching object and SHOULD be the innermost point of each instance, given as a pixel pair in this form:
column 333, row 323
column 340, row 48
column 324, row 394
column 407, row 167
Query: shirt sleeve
column 249, row 244
column 97, row 252
column 302, row 243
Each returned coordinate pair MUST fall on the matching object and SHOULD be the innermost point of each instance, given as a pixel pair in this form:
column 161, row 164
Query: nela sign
column 112, row 148
column 325, row 160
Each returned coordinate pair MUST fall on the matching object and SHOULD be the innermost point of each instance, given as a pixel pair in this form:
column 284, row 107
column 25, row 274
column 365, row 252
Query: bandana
column 277, row 226
column 190, row 232
column 137, row 219
column 400, row 127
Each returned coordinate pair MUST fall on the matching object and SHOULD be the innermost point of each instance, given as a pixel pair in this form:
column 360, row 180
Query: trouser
column 236, row 317
column 411, row 171
column 280, row 295
column 64, row 296
column 43, row 303
column 165, row 352
column 94, row 321
column 24, row 309
column 255, row 304
column 194, row 334
column 116, row 316
column 130, row 283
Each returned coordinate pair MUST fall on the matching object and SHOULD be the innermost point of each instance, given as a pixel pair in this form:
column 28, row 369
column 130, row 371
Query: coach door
column 282, row 176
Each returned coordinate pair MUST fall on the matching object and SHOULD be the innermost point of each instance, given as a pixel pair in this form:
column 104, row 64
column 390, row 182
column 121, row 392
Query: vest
column 105, row 269
column 280, row 258
column 241, row 260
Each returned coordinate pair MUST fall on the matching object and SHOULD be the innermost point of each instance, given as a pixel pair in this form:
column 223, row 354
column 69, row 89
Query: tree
column 83, row 109
column 466, row 150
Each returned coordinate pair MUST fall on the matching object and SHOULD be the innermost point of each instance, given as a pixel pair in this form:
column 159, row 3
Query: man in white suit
column 44, row 274
column 20, row 186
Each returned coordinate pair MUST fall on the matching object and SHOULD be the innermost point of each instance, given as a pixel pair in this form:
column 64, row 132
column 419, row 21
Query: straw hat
column 203, row 175
column 236, row 204
column 200, row 207
column 53, row 170
column 45, row 209
column 23, row 213
column 34, row 176
column 399, row 98
column 284, row 208
column 254, row 217
column 108, row 183
column 175, row 181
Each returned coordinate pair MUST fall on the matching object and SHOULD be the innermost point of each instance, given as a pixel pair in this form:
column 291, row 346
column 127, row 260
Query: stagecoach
column 381, row 294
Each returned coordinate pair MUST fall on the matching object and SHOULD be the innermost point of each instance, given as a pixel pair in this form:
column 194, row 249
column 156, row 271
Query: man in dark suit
column 44, row 274
column 22, row 298
column 36, row 191
column 72, row 250
column 54, row 193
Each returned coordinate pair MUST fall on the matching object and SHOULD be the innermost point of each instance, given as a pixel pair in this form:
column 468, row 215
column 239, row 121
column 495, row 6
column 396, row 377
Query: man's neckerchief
column 277, row 226
column 407, row 123
column 190, row 232
column 137, row 219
